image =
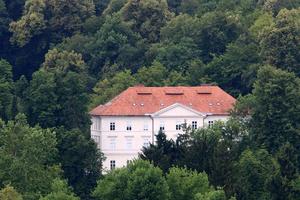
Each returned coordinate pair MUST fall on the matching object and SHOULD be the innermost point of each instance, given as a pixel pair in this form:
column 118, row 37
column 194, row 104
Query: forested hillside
column 60, row 58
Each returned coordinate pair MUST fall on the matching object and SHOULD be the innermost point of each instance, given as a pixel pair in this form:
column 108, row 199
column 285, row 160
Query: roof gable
column 178, row 109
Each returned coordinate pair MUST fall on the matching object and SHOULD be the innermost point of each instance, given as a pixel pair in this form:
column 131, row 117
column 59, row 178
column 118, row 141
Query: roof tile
column 136, row 101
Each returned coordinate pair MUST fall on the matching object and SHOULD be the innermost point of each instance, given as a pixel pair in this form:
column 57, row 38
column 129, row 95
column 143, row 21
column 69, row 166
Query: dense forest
column 60, row 58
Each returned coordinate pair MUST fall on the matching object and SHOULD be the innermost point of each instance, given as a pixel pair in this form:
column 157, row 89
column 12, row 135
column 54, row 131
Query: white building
column 130, row 121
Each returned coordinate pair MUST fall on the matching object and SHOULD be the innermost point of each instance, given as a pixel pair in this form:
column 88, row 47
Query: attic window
column 204, row 91
column 143, row 92
column 173, row 92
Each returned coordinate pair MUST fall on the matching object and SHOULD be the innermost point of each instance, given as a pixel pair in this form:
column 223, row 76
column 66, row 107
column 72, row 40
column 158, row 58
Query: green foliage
column 114, row 43
column 4, row 19
column 110, row 87
column 81, row 160
column 147, row 17
column 60, row 191
column 236, row 69
column 275, row 112
column 32, row 23
column 140, row 180
column 26, row 157
column 255, row 170
column 9, row 193
column 110, row 45
column 50, row 15
column 153, row 75
column 285, row 182
column 58, row 92
column 185, row 184
column 65, row 17
column 63, row 61
column 6, row 90
column 114, row 6
column 213, row 150
column 161, row 153
column 213, row 195
column 280, row 47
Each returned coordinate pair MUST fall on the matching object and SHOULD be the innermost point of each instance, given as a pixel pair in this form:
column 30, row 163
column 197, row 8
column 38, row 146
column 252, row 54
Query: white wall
column 122, row 145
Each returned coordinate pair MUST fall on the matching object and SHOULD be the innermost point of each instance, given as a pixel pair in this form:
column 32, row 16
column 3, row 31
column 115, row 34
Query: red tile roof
column 141, row 100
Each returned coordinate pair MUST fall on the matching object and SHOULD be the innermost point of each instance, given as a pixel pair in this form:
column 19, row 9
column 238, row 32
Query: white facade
column 121, row 138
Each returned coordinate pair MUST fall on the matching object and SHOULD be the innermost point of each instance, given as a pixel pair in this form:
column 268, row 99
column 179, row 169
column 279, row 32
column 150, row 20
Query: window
column 112, row 164
column 161, row 126
column 128, row 127
column 128, row 162
column 95, row 123
column 194, row 124
column 128, row 143
column 96, row 138
column 112, row 144
column 210, row 123
column 178, row 126
column 146, row 142
column 146, row 127
column 112, row 126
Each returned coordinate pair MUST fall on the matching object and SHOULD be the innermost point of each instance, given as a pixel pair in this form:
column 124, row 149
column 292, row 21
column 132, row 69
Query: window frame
column 194, row 125
column 129, row 126
column 112, row 126
column 112, row 164
column 210, row 123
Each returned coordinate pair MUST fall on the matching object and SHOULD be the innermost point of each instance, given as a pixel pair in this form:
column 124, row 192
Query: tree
column 115, row 44
column 80, row 160
column 254, row 173
column 147, row 17
column 176, row 78
column 193, row 7
column 31, row 23
column 284, row 184
column 50, row 17
column 139, row 180
column 27, row 156
column 153, row 75
column 235, row 70
column 9, row 193
column 4, row 20
column 6, row 90
column 185, row 184
column 212, row 150
column 275, row 6
column 108, row 88
column 67, row 17
column 58, row 92
column 280, row 47
column 275, row 118
column 114, row 6
column 217, row 30
column 60, row 191
column 14, row 8
column 213, row 195
column 161, row 153
column 175, row 56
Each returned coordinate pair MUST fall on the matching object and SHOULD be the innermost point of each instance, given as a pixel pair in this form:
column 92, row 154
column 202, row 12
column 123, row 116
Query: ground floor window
column 194, row 125
column 112, row 164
